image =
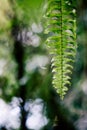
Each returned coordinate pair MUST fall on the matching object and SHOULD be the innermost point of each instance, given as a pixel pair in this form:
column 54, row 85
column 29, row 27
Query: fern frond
column 61, row 28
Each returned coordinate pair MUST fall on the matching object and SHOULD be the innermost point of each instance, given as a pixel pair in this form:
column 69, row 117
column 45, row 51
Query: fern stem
column 61, row 47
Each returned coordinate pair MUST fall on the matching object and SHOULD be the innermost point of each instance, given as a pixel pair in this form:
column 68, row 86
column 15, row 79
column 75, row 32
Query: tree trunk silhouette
column 18, row 53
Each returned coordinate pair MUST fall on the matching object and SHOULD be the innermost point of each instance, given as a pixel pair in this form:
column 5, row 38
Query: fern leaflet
column 61, row 28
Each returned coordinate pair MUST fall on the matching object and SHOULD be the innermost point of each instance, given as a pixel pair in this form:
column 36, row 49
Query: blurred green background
column 27, row 99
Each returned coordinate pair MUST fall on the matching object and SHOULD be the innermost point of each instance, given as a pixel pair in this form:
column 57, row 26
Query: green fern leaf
column 61, row 28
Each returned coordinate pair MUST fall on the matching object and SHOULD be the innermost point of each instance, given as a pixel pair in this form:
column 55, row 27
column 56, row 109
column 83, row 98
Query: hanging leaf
column 61, row 43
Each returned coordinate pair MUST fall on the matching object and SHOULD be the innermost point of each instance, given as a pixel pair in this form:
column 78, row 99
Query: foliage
column 61, row 43
column 5, row 15
column 25, row 72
